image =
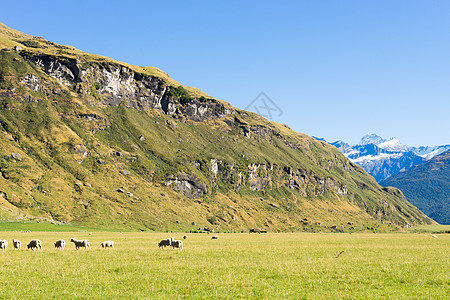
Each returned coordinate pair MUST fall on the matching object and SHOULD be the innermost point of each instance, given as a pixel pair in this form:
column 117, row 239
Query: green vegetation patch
column 42, row 226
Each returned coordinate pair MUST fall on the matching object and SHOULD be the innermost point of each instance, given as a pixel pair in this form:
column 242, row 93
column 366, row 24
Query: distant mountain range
column 383, row 158
column 427, row 186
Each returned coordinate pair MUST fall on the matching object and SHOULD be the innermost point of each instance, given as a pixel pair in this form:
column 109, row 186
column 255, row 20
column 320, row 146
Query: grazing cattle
column 60, row 244
column 107, row 244
column 185, row 237
column 17, row 244
column 81, row 243
column 35, row 244
column 215, row 237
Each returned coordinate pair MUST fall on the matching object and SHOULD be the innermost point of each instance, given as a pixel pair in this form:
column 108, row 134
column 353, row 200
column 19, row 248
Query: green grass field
column 431, row 229
column 252, row 266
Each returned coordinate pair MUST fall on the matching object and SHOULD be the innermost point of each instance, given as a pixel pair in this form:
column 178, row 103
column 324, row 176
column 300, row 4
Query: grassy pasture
column 253, row 266
column 431, row 229
column 45, row 226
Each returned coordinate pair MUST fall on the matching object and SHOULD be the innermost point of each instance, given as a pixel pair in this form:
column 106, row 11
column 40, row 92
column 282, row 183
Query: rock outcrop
column 189, row 185
column 112, row 84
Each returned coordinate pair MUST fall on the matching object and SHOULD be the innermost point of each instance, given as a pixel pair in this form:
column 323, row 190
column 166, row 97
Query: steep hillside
column 88, row 140
column 427, row 186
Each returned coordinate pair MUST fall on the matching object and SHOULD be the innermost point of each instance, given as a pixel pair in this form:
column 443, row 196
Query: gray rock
column 125, row 172
column 189, row 185
column 65, row 72
column 81, row 149
column 16, row 156
column 32, row 82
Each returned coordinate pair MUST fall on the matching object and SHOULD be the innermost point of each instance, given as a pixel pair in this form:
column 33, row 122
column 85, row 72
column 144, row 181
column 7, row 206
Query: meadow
column 249, row 266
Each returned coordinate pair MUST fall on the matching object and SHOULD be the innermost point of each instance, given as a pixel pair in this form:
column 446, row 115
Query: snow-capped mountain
column 393, row 145
column 383, row 158
column 430, row 152
column 371, row 139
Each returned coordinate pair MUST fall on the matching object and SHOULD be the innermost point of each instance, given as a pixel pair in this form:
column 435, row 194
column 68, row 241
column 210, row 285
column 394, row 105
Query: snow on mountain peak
column 428, row 152
column 393, row 145
column 371, row 139
column 385, row 157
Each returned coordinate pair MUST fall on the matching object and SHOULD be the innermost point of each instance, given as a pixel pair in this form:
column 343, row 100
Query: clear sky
column 336, row 69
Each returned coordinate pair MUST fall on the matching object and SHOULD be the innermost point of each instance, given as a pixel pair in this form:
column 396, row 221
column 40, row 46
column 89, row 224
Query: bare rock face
column 117, row 84
column 201, row 111
column 189, row 185
column 216, row 166
column 32, row 82
column 303, row 180
column 66, row 72
column 258, row 177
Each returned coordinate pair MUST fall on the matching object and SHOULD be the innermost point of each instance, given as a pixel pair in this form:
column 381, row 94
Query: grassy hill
column 91, row 141
column 427, row 186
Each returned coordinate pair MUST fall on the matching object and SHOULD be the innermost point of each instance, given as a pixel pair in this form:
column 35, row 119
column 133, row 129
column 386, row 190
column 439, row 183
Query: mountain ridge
column 89, row 140
column 427, row 186
column 383, row 158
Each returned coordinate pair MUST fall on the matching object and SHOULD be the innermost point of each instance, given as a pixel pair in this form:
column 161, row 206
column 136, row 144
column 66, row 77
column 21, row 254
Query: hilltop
column 91, row 141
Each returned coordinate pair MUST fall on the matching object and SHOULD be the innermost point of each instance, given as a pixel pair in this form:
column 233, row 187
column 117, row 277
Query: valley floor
column 252, row 266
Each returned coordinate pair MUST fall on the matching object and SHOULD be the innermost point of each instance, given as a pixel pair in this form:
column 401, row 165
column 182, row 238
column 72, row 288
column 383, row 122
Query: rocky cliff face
column 258, row 177
column 111, row 84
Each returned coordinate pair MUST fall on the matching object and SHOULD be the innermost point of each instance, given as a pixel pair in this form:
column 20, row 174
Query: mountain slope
column 88, row 140
column 427, row 186
column 384, row 158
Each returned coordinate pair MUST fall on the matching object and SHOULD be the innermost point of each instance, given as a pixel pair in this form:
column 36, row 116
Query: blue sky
column 337, row 69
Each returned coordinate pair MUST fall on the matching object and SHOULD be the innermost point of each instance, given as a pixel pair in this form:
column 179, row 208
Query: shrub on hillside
column 181, row 95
